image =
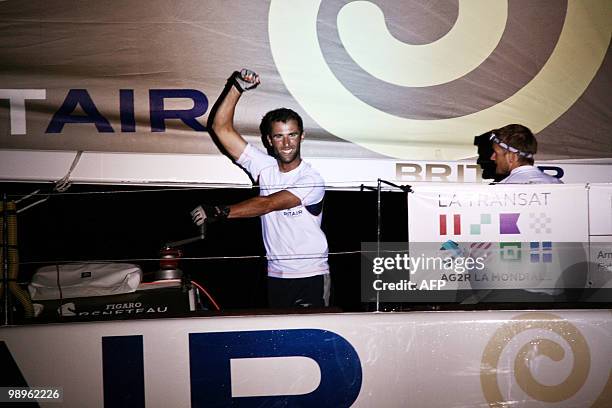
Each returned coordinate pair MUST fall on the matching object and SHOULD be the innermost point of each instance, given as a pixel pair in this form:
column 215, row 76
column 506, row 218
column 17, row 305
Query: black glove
column 208, row 214
column 244, row 80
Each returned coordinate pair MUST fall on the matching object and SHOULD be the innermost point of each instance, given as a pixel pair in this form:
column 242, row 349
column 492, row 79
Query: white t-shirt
column 529, row 175
column 295, row 244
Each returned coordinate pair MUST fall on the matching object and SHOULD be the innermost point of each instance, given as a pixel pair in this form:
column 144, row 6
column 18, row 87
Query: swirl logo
column 379, row 91
column 538, row 346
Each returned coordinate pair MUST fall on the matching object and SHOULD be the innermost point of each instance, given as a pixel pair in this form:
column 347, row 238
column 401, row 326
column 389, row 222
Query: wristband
column 236, row 79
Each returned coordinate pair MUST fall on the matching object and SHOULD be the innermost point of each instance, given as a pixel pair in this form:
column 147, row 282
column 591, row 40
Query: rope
column 356, row 186
column 64, row 183
column 215, row 258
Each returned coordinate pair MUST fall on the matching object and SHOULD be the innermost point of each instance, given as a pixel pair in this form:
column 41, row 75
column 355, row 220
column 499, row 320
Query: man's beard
column 286, row 160
column 502, row 171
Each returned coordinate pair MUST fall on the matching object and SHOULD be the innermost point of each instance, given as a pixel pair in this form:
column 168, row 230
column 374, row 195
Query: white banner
column 542, row 238
column 446, row 360
column 371, row 80
column 515, row 213
column 216, row 170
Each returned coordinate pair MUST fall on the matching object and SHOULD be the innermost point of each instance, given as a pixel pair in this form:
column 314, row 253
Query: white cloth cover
column 84, row 279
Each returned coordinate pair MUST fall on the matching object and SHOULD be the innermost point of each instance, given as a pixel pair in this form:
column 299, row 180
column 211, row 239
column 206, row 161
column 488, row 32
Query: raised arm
column 223, row 119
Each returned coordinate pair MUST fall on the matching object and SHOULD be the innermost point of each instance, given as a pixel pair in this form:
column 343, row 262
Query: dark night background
column 130, row 223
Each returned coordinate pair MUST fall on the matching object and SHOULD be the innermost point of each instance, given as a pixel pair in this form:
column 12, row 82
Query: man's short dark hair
column 279, row 115
column 519, row 137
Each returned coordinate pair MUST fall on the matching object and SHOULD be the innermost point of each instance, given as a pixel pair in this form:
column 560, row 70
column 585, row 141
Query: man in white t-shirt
column 290, row 202
column 513, row 149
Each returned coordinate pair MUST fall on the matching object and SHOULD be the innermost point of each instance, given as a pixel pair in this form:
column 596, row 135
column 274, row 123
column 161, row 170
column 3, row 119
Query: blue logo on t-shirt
column 292, row 212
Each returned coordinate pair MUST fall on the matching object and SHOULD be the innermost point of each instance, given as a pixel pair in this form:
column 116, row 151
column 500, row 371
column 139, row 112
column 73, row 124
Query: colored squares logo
column 540, row 223
column 540, row 252
column 480, row 249
column 510, row 251
column 508, row 223
column 475, row 229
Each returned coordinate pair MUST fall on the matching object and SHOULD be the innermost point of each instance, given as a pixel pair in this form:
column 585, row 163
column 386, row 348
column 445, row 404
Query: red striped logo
column 456, row 224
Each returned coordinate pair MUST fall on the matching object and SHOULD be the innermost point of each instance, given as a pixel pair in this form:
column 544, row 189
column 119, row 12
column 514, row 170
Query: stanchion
column 406, row 189
column 5, row 262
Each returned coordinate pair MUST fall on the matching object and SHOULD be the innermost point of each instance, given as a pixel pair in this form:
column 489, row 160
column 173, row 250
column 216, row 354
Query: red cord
column 196, row 284
column 200, row 287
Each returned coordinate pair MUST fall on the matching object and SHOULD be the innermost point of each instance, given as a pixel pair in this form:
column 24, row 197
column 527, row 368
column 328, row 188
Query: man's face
column 503, row 160
column 285, row 139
